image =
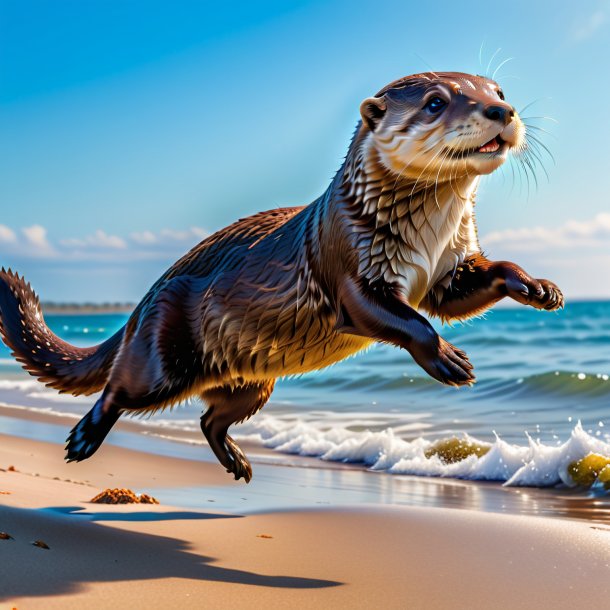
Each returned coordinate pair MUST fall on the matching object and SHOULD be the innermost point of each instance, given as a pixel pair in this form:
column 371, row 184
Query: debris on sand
column 263, row 536
column 41, row 544
column 122, row 496
column 5, row 536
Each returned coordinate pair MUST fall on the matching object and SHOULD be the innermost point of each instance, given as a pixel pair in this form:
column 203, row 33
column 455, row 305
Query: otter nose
column 499, row 113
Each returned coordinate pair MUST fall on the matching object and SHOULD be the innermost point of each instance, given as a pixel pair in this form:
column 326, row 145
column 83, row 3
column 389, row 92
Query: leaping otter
column 292, row 290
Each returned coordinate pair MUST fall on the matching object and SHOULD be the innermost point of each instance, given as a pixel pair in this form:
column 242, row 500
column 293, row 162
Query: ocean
column 541, row 399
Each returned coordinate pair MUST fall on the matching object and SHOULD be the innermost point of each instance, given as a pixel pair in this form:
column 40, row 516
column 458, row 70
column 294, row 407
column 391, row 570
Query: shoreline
column 334, row 481
column 284, row 481
column 353, row 554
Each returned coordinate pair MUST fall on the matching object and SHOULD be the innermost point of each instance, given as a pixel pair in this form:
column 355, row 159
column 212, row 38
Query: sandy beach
column 356, row 555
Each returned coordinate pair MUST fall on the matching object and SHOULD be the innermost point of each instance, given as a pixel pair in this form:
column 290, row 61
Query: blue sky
column 130, row 129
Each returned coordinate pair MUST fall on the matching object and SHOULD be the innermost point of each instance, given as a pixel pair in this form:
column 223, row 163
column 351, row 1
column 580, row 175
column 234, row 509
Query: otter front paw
column 445, row 362
column 541, row 294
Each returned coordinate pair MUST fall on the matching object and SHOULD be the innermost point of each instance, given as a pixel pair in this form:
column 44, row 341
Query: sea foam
column 532, row 464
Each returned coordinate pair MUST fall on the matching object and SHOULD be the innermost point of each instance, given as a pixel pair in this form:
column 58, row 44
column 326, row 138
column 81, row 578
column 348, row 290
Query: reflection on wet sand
column 296, row 487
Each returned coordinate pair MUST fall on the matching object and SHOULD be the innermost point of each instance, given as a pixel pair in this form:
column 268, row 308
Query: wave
column 347, row 437
column 566, row 383
column 534, row 464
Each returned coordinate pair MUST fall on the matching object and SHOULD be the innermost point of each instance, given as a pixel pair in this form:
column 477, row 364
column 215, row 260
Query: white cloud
column 592, row 233
column 37, row 242
column 575, row 255
column 144, row 237
column 169, row 236
column 587, row 28
column 7, row 235
column 99, row 239
column 33, row 242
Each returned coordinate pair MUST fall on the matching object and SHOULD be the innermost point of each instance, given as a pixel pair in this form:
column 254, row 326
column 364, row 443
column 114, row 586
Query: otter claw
column 240, row 466
column 451, row 366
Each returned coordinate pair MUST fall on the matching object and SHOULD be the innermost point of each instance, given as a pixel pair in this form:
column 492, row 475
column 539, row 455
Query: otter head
column 442, row 126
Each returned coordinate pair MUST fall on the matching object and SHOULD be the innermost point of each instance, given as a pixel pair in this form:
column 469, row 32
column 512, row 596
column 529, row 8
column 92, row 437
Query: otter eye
column 501, row 94
column 435, row 105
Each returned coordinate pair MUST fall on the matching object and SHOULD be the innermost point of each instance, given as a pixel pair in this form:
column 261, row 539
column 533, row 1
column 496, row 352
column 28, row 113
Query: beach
column 348, row 507
column 285, row 549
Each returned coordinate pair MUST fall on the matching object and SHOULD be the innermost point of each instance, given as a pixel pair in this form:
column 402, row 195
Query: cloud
column 587, row 28
column 168, row 236
column 99, row 239
column 33, row 243
column 7, row 235
column 591, row 233
column 36, row 241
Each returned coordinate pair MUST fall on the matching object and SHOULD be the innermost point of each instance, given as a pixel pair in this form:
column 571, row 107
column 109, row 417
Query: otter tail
column 87, row 436
column 41, row 353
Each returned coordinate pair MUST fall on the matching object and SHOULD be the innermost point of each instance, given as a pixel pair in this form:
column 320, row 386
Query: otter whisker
column 424, row 151
column 533, row 139
column 437, row 177
column 481, row 54
column 423, row 171
column 526, row 159
column 542, row 118
column 493, row 76
column 531, row 151
column 427, row 64
column 540, row 99
column 529, row 126
column 491, row 60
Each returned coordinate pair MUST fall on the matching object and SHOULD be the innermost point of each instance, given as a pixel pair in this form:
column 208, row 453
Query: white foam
column 18, row 384
column 531, row 464
column 9, row 362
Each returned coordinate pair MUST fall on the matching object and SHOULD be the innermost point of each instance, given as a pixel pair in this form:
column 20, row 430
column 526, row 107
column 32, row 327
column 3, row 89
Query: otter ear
column 372, row 111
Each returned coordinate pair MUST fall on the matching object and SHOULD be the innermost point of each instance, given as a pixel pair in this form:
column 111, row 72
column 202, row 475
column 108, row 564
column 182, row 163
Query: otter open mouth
column 494, row 145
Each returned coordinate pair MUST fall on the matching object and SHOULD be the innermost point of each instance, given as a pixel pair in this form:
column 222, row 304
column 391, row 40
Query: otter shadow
column 79, row 511
column 82, row 552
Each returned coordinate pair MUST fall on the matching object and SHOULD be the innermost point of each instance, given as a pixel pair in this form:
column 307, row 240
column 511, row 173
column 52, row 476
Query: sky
column 129, row 130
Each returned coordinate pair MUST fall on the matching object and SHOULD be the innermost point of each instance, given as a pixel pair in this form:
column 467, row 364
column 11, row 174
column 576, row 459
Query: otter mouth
column 494, row 145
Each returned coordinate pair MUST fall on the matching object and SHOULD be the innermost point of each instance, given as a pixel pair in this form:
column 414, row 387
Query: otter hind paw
column 240, row 465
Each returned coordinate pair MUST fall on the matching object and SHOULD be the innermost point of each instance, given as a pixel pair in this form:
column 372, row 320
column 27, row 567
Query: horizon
column 130, row 134
column 506, row 304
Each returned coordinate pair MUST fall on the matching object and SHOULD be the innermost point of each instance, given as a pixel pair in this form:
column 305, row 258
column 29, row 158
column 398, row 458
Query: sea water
column 541, row 400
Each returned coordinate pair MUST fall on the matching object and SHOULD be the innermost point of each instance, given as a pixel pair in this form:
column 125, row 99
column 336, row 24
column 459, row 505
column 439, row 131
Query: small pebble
column 41, row 544
column 5, row 536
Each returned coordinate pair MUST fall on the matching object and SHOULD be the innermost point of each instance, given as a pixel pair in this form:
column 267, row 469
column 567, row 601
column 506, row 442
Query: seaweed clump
column 455, row 449
column 593, row 467
column 122, row 496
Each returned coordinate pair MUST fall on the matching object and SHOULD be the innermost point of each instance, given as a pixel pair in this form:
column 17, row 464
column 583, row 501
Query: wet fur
column 293, row 290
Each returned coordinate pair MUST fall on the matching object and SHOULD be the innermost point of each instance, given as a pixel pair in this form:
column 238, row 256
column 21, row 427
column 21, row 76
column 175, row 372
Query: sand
column 358, row 556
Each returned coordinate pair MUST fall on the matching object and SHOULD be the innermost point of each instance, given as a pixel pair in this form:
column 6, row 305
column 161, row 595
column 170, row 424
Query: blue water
column 536, row 371
column 538, row 374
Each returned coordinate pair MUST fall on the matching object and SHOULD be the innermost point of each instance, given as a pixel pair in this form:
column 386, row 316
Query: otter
column 293, row 290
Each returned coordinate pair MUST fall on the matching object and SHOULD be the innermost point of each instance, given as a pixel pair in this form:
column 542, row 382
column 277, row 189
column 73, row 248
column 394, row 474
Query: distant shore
column 72, row 309
column 57, row 308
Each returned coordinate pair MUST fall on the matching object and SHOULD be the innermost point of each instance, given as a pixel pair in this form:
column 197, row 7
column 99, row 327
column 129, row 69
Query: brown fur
column 296, row 289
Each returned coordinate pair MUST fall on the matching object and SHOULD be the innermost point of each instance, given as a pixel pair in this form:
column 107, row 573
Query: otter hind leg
column 89, row 433
column 227, row 405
